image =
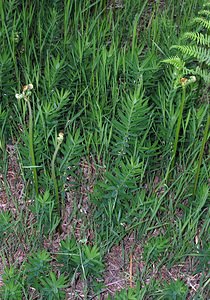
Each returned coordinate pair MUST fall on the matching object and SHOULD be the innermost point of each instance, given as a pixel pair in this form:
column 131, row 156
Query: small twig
column 115, row 282
column 53, row 175
column 131, row 270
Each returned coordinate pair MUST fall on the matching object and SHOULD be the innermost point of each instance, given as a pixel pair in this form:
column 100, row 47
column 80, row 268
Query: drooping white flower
column 18, row 96
column 60, row 137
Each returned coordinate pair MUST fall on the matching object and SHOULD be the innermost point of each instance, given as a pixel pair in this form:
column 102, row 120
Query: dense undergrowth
column 106, row 106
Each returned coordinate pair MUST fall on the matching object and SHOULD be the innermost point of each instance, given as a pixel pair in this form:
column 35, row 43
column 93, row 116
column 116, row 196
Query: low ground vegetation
column 104, row 127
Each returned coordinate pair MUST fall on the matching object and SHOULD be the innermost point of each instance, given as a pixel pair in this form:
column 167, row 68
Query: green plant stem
column 205, row 137
column 171, row 166
column 53, row 175
column 114, row 4
column 31, row 146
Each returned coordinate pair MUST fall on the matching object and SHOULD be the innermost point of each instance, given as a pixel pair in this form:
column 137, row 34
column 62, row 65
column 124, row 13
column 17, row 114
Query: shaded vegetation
column 104, row 124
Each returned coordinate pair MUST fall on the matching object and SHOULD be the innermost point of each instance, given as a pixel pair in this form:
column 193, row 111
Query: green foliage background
column 98, row 77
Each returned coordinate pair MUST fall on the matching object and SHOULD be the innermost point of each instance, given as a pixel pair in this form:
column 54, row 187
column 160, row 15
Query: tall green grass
column 98, row 77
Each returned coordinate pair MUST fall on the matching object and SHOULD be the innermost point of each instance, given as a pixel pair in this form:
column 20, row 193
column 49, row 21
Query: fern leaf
column 204, row 12
column 198, row 50
column 200, row 53
column 199, row 38
column 206, row 5
column 119, row 184
column 55, row 108
column 71, row 150
column 203, row 73
column 205, row 23
column 130, row 124
column 175, row 61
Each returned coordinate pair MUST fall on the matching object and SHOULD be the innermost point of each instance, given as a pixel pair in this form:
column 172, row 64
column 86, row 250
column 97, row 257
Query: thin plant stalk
column 31, row 146
column 53, row 175
column 205, row 138
column 25, row 94
column 171, row 166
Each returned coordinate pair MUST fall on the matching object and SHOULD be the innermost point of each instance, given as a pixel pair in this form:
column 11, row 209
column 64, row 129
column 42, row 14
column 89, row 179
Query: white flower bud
column 30, row 86
column 192, row 79
column 60, row 137
column 18, row 96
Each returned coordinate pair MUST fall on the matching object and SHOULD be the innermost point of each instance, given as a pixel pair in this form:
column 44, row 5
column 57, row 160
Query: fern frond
column 204, row 12
column 175, row 61
column 196, row 47
column 131, row 122
column 119, row 184
column 72, row 151
column 206, row 4
column 205, row 23
column 199, row 38
column 203, row 73
column 55, row 108
column 200, row 53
